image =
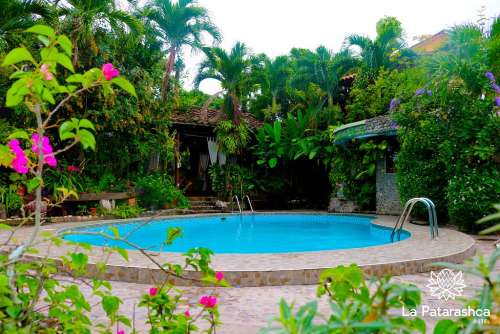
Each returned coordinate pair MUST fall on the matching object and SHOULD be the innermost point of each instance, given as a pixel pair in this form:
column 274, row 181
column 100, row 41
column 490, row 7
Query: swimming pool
column 247, row 234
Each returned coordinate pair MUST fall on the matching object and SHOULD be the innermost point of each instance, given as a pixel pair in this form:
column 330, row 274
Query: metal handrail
column 249, row 202
column 237, row 201
column 431, row 209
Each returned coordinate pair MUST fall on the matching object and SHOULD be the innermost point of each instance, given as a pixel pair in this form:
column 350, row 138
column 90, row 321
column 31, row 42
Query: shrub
column 470, row 195
column 157, row 190
column 354, row 166
column 126, row 211
column 356, row 306
column 232, row 179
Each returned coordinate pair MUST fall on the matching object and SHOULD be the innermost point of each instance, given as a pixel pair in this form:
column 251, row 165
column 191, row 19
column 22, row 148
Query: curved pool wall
column 413, row 255
column 247, row 234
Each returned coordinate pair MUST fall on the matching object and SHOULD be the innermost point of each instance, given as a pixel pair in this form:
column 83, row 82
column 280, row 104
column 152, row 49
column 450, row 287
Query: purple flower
column 422, row 90
column 394, row 103
column 497, row 101
column 490, row 76
column 394, row 125
column 495, row 87
column 429, row 92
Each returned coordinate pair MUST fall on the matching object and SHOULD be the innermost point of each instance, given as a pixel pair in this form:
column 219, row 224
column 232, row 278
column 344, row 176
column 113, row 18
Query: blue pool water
column 259, row 233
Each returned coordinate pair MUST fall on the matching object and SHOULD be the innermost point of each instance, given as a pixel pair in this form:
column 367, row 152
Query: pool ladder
column 431, row 210
column 238, row 202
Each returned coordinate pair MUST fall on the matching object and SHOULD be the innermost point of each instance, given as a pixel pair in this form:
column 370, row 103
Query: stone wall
column 387, row 191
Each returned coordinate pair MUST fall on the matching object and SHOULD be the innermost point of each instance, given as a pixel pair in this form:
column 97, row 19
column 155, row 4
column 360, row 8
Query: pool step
column 203, row 204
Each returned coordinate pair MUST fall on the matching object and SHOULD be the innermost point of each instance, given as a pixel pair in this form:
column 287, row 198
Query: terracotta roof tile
column 210, row 118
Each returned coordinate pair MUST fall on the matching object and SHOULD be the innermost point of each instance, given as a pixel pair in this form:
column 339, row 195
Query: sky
column 275, row 26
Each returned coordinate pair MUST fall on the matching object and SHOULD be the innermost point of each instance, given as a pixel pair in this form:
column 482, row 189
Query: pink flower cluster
column 109, row 71
column 20, row 162
column 219, row 276
column 46, row 73
column 208, row 301
column 47, row 150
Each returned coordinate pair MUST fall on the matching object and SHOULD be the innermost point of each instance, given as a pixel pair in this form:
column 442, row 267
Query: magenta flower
column 208, row 301
column 153, row 291
column 187, row 314
column 109, row 71
column 20, row 161
column 120, row 331
column 490, row 76
column 46, row 73
column 219, row 276
column 47, row 150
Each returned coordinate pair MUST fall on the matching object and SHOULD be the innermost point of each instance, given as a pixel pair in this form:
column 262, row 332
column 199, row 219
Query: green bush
column 126, row 211
column 232, row 179
column 374, row 100
column 470, row 195
column 157, row 190
column 354, row 167
column 356, row 306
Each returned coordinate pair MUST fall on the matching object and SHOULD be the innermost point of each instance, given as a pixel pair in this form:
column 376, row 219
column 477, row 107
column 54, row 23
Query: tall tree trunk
column 330, row 100
column 236, row 108
column 168, row 69
column 74, row 35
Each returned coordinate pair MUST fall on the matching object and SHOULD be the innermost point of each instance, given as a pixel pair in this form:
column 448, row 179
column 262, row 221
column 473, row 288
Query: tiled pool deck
column 413, row 255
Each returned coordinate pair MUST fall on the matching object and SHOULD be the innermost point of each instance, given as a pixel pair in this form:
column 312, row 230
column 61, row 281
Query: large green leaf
column 65, row 61
column 125, row 85
column 65, row 44
column 6, row 156
column 17, row 55
column 19, row 134
column 42, row 30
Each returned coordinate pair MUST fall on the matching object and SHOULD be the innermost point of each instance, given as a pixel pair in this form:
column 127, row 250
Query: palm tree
column 381, row 51
column 179, row 24
column 18, row 15
column 468, row 46
column 232, row 70
column 86, row 17
column 323, row 68
column 272, row 76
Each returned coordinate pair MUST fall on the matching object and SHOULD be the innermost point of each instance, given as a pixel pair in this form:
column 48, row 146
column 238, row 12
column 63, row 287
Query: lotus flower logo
column 446, row 284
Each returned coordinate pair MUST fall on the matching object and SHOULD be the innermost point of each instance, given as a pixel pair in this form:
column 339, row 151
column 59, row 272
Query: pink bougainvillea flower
column 20, row 161
column 47, row 150
column 187, row 314
column 73, row 168
column 153, row 291
column 46, row 73
column 120, row 331
column 109, row 71
column 208, row 301
column 219, row 276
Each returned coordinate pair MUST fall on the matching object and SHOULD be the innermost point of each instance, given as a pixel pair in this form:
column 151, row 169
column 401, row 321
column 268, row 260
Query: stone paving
column 247, row 310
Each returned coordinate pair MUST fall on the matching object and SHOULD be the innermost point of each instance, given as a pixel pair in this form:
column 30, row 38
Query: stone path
column 247, row 310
